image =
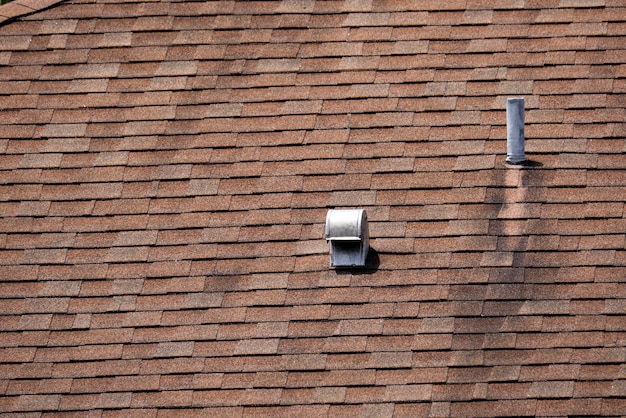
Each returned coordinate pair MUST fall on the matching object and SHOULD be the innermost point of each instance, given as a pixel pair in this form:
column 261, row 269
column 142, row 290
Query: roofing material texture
column 17, row 8
column 167, row 166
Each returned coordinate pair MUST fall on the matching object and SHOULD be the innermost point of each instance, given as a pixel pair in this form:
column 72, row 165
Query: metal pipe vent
column 348, row 236
column 515, row 131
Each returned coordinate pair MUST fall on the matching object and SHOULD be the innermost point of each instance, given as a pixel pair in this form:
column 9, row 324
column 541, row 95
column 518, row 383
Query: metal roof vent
column 515, row 131
column 348, row 236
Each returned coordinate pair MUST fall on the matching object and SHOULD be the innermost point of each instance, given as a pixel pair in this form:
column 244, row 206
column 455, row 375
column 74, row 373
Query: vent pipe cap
column 348, row 236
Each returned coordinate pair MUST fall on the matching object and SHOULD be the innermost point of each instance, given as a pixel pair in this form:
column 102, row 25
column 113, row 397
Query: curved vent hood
column 348, row 236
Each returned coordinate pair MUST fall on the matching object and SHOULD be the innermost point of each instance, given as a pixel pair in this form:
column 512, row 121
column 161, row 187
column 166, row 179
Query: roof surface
column 166, row 170
column 17, row 8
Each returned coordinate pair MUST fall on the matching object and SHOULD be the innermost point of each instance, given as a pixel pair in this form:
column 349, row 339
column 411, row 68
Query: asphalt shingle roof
column 165, row 172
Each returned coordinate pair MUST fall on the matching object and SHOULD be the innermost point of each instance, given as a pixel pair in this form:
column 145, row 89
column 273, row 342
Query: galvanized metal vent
column 515, row 131
column 348, row 236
